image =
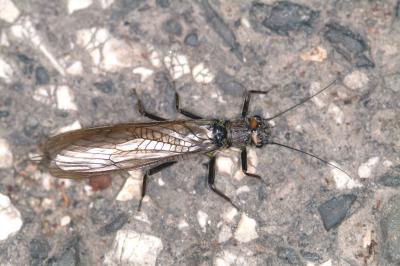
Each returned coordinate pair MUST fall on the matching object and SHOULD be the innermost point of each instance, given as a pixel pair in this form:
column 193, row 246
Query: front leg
column 243, row 156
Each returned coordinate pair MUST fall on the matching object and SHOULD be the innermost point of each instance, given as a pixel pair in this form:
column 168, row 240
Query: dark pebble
column 70, row 254
column 283, row 17
column 105, row 86
column 288, row 255
column 25, row 59
column 228, row 84
column 163, row 3
column 390, row 225
column 397, row 9
column 116, row 223
column 31, row 123
column 334, row 211
column 349, row 44
column 192, row 39
column 310, row 256
column 222, row 29
column 4, row 114
column 391, row 178
column 39, row 248
column 173, row 26
column 42, row 76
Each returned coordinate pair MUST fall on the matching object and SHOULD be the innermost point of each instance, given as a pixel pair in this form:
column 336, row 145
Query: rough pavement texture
column 71, row 64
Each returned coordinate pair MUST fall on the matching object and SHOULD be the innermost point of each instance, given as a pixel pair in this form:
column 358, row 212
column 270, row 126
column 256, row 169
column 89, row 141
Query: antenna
column 306, row 99
column 311, row 155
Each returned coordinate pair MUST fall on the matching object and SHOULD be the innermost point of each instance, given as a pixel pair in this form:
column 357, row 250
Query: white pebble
column 65, row 220
column 10, row 218
column 144, row 73
column 4, row 39
column 65, row 99
column 132, row 248
column 246, row 230
column 226, row 163
column 74, row 5
column 202, row 219
column 132, row 188
column 106, row 3
column 6, row 72
column 44, row 94
column 242, row 189
column 326, row 263
column 183, row 224
column 201, row 74
column 154, row 56
column 225, row 234
column 74, row 126
column 76, row 69
column 177, row 65
column 230, row 214
column 6, row 156
column 226, row 258
column 356, row 80
column 342, row 180
column 365, row 169
column 337, row 113
column 8, row 11
column 160, row 182
column 118, row 54
column 316, row 86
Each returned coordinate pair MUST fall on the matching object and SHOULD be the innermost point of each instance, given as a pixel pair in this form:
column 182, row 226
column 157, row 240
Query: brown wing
column 94, row 151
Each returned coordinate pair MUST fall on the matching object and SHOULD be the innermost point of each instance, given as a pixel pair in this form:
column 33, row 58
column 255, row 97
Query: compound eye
column 253, row 123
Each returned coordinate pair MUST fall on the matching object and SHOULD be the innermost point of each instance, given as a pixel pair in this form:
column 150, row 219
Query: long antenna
column 309, row 154
column 306, row 99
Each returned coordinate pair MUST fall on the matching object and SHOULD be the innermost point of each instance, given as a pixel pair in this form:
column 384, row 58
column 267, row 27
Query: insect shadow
column 153, row 146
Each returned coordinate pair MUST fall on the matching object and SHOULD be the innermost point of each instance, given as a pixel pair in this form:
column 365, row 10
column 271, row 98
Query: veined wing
column 100, row 150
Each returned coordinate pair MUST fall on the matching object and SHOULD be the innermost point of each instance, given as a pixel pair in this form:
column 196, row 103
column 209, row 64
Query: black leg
column 143, row 112
column 247, row 100
column 243, row 157
column 182, row 111
column 211, row 179
column 148, row 173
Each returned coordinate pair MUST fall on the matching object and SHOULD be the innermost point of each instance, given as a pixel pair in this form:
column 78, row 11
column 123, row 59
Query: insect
column 152, row 146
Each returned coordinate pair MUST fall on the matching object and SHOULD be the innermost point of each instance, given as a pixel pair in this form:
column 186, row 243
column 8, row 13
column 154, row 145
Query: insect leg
column 243, row 156
column 143, row 112
column 182, row 111
column 246, row 102
column 148, row 173
column 211, row 179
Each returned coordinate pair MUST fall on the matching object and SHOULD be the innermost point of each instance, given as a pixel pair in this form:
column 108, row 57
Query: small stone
column 202, row 220
column 177, row 65
column 334, row 211
column 162, row 3
column 227, row 258
column 225, row 234
column 65, row 220
column 337, row 113
column 6, row 156
column 65, row 99
column 391, row 178
column 105, row 86
column 75, row 69
column 42, row 76
column 39, row 248
column 317, row 54
column 182, row 224
column 173, row 26
column 44, row 94
column 393, row 82
column 6, row 72
column 132, row 188
column 342, row 180
column 144, row 73
column 229, row 215
column 246, row 229
column 192, row 39
column 10, row 218
column 132, row 248
column 356, row 80
column 74, row 5
column 201, row 74
column 389, row 225
column 106, row 3
column 4, row 39
column 365, row 169
column 74, row 126
column 115, row 224
column 8, row 11
column 326, row 263
column 288, row 255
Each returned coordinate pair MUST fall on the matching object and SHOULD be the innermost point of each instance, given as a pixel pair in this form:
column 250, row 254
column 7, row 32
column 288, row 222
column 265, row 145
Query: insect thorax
column 238, row 133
